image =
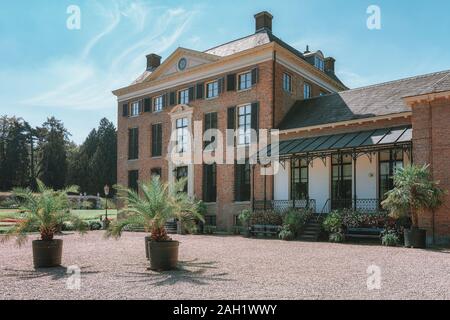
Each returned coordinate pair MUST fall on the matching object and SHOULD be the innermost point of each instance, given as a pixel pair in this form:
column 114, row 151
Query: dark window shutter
column 255, row 116
column 221, row 83
column 231, row 121
column 125, row 110
column 255, row 76
column 141, row 109
column 133, row 144
column 172, row 98
column 200, row 88
column 148, row 105
column 164, row 100
column 157, row 140
column 231, row 82
column 179, row 97
column 237, row 182
column 191, row 94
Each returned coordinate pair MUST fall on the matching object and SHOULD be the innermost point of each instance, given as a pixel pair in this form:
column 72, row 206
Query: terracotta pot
column 163, row 255
column 47, row 254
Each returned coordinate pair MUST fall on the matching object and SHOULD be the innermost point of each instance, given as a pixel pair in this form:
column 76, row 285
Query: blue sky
column 46, row 69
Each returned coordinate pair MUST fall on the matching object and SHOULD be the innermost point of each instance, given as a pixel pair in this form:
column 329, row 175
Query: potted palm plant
column 158, row 204
column 414, row 191
column 44, row 211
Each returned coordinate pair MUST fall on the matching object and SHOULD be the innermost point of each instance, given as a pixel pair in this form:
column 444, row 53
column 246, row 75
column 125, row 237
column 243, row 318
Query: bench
column 364, row 233
column 264, row 230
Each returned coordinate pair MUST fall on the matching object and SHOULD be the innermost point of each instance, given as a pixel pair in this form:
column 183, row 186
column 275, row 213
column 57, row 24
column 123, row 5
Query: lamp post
column 106, row 191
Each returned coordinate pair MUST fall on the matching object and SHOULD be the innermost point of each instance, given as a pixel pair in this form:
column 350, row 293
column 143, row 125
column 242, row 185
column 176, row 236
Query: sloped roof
column 372, row 101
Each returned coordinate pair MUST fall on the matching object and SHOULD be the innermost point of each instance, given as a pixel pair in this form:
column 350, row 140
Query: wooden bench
column 264, row 230
column 364, row 233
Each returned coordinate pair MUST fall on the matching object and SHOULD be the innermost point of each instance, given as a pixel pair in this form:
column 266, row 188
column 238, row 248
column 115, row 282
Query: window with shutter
column 255, row 76
column 147, row 105
column 231, row 82
column 183, row 96
column 244, row 124
column 158, row 104
column 191, row 94
column 245, row 81
column 133, row 180
column 157, row 140
column 200, row 88
column 173, row 98
column 255, row 116
column 133, row 144
column 210, row 123
column 209, row 183
column 212, row 89
column 242, row 182
column 125, row 110
column 135, row 109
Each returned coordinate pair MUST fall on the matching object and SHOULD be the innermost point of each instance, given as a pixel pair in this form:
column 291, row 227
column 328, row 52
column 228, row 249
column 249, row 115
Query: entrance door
column 341, row 182
column 182, row 172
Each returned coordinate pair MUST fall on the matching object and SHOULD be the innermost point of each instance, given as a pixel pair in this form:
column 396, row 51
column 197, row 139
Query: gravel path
column 227, row 268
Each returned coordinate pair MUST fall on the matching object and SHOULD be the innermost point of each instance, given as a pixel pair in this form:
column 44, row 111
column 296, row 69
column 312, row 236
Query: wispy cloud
column 85, row 81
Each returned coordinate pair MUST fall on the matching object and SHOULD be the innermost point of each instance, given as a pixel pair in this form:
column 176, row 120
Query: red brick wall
column 431, row 145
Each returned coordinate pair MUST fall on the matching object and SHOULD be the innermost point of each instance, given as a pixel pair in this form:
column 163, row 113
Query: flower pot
column 147, row 248
column 163, row 255
column 415, row 238
column 47, row 254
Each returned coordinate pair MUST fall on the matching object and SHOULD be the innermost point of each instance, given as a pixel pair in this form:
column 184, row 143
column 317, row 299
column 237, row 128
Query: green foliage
column 45, row 210
column 414, row 191
column 95, row 225
column 286, row 234
column 337, row 237
column 333, row 223
column 209, row 229
column 295, row 220
column 244, row 217
column 158, row 204
column 266, row 218
column 390, row 238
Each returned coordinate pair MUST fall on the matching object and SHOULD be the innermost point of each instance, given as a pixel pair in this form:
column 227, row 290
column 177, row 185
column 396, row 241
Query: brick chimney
column 153, row 61
column 263, row 21
column 329, row 64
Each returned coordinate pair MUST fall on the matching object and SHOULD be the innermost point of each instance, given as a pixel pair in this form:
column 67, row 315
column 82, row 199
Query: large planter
column 47, row 254
column 147, row 248
column 163, row 255
column 415, row 238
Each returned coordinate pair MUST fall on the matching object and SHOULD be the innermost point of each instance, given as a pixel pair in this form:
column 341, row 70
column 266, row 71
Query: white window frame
column 247, row 82
column 307, row 94
column 134, row 112
column 184, row 96
column 244, row 124
column 214, row 90
column 158, row 104
column 182, row 127
column 287, row 82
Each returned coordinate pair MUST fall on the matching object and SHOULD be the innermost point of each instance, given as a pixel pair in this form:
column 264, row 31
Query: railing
column 361, row 205
column 284, row 205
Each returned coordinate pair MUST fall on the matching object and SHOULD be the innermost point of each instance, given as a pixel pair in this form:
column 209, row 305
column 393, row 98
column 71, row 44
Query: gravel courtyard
column 214, row 267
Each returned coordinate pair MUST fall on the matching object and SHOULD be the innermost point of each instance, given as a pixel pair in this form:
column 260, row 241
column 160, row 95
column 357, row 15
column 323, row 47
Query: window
column 242, row 182
column 306, row 91
column 133, row 144
column 182, row 135
column 135, row 109
column 287, row 82
column 341, row 182
column 210, row 123
column 133, row 177
column 155, row 172
column 157, row 140
column 390, row 161
column 158, row 104
column 318, row 62
column 182, row 172
column 299, row 180
column 183, row 96
column 244, row 124
column 209, row 183
column 212, row 89
column 322, row 93
column 245, row 81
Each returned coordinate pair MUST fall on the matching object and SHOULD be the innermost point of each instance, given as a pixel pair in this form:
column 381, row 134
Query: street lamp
column 106, row 190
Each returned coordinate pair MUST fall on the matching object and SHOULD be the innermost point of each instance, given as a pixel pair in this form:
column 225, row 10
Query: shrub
column 390, row 238
column 337, row 237
column 67, row 226
column 266, row 218
column 295, row 220
column 286, row 234
column 209, row 229
column 95, row 225
column 333, row 222
column 244, row 217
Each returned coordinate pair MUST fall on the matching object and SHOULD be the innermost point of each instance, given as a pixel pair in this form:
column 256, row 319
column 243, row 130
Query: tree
column 414, row 191
column 53, row 160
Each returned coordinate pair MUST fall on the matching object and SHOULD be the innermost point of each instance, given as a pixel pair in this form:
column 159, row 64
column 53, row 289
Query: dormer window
column 319, row 63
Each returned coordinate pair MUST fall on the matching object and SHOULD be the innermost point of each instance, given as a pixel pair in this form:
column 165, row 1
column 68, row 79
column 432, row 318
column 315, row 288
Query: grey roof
column 377, row 100
column 441, row 85
column 379, row 138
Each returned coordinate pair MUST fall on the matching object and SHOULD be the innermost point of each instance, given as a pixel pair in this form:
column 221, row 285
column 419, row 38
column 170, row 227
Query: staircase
column 311, row 231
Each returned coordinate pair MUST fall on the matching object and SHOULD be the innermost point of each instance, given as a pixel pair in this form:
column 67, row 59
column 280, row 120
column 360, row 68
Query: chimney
column 263, row 21
column 153, row 61
column 329, row 64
